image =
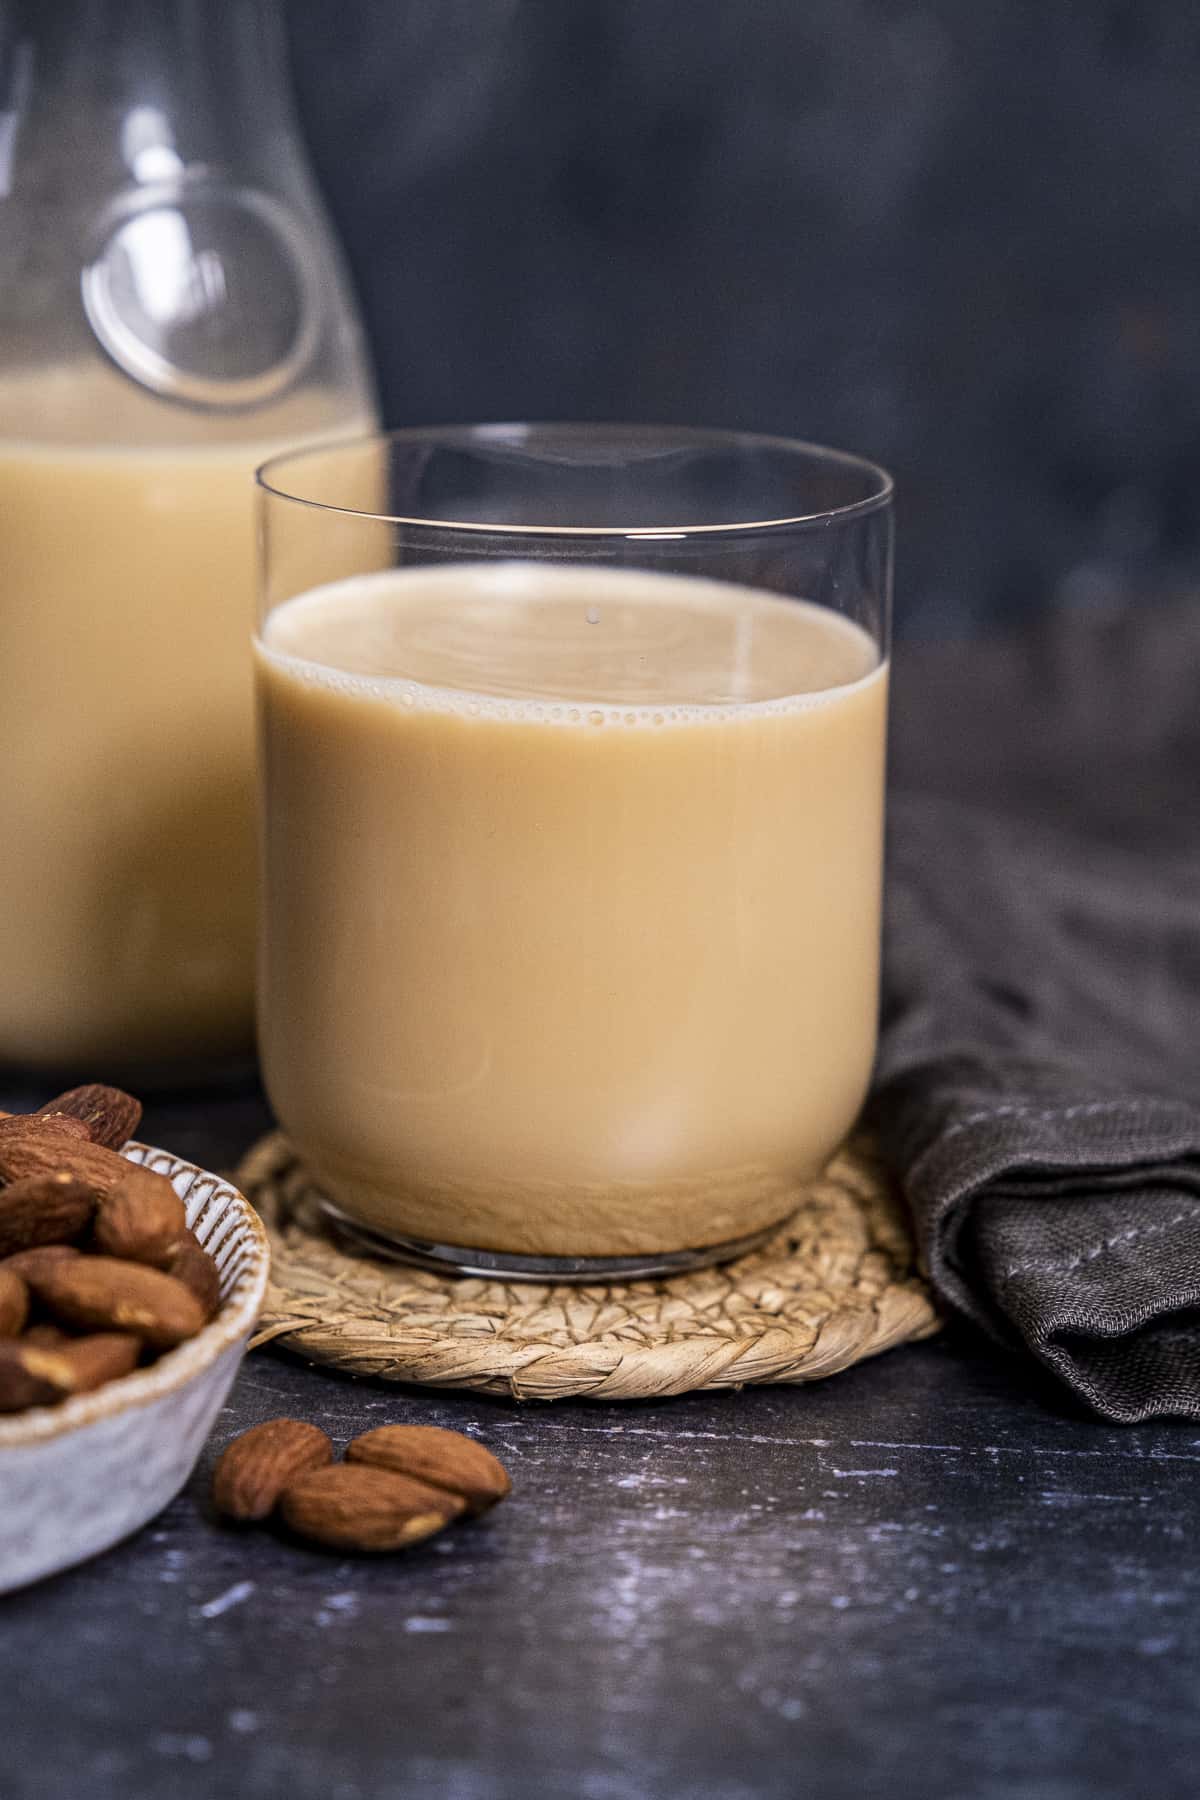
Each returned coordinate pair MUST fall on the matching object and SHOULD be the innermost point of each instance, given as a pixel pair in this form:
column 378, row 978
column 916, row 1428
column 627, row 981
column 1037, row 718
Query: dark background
column 960, row 237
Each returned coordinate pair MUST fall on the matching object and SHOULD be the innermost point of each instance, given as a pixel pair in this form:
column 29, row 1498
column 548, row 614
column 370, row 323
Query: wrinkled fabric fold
column 1038, row 1082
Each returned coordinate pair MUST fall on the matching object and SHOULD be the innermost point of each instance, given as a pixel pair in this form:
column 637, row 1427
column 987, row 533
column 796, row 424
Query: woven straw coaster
column 836, row 1284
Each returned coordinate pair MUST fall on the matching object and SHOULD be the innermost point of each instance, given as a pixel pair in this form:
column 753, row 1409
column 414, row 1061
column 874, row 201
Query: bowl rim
column 177, row 1367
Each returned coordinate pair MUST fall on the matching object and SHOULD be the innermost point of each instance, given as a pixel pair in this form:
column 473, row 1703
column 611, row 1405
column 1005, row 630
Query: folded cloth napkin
column 1038, row 1085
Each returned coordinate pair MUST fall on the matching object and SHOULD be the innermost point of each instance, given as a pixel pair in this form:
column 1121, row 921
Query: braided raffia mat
column 835, row 1285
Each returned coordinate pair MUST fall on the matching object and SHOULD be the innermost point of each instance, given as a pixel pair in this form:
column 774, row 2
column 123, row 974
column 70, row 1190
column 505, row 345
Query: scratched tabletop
column 926, row 1577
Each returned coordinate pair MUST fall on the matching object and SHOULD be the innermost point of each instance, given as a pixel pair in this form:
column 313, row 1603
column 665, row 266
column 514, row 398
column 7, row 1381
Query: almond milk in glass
column 572, row 795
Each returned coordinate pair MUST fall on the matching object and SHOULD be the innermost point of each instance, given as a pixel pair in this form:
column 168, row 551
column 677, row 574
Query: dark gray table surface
column 923, row 1578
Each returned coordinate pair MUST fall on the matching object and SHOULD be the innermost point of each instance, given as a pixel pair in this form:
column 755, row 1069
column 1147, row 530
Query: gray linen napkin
column 1038, row 1085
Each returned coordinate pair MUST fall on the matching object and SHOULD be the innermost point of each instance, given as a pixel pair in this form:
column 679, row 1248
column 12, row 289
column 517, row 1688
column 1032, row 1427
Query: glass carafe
column 173, row 310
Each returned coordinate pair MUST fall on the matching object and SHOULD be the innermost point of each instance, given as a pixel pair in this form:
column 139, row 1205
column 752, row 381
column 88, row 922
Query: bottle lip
column 282, row 476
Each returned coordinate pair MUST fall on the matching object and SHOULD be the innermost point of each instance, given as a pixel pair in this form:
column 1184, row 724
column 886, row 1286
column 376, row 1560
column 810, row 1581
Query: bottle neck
column 147, row 88
column 159, row 224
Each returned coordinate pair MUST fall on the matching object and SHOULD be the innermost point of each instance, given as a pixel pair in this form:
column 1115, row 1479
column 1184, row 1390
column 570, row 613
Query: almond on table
column 399, row 1484
column 257, row 1466
column 445, row 1459
column 351, row 1507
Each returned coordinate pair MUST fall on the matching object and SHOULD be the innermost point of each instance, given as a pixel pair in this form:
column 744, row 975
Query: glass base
column 498, row 1265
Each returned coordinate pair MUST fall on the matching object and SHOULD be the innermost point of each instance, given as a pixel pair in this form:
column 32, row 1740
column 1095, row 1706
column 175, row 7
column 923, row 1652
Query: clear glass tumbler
column 572, row 771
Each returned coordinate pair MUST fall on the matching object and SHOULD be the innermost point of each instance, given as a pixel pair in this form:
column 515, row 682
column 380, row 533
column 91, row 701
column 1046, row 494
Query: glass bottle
column 173, row 309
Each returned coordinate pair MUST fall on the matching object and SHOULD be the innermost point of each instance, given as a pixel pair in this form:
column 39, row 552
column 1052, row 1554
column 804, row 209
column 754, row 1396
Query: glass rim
column 266, row 476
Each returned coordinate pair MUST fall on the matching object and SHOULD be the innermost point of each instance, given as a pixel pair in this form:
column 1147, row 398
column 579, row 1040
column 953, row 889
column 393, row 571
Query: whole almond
column 41, row 1147
column 109, row 1115
column 258, row 1465
column 98, row 1358
column 45, row 1336
column 141, row 1218
column 30, row 1376
column 14, row 1303
column 445, row 1459
column 352, row 1507
column 58, row 1125
column 43, row 1209
column 28, row 1263
column 104, row 1293
column 190, row 1263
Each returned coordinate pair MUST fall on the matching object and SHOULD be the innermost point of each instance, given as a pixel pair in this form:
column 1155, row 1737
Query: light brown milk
column 127, row 583
column 571, row 935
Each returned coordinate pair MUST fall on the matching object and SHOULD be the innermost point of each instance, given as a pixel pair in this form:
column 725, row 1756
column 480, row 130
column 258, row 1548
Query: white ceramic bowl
column 77, row 1478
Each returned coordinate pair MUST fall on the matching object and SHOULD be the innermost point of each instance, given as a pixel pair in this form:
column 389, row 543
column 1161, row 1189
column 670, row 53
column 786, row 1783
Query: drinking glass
column 572, row 772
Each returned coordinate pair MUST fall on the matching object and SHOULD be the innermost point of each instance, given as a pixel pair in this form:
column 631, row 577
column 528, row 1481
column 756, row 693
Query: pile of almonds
column 98, row 1270
column 398, row 1485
